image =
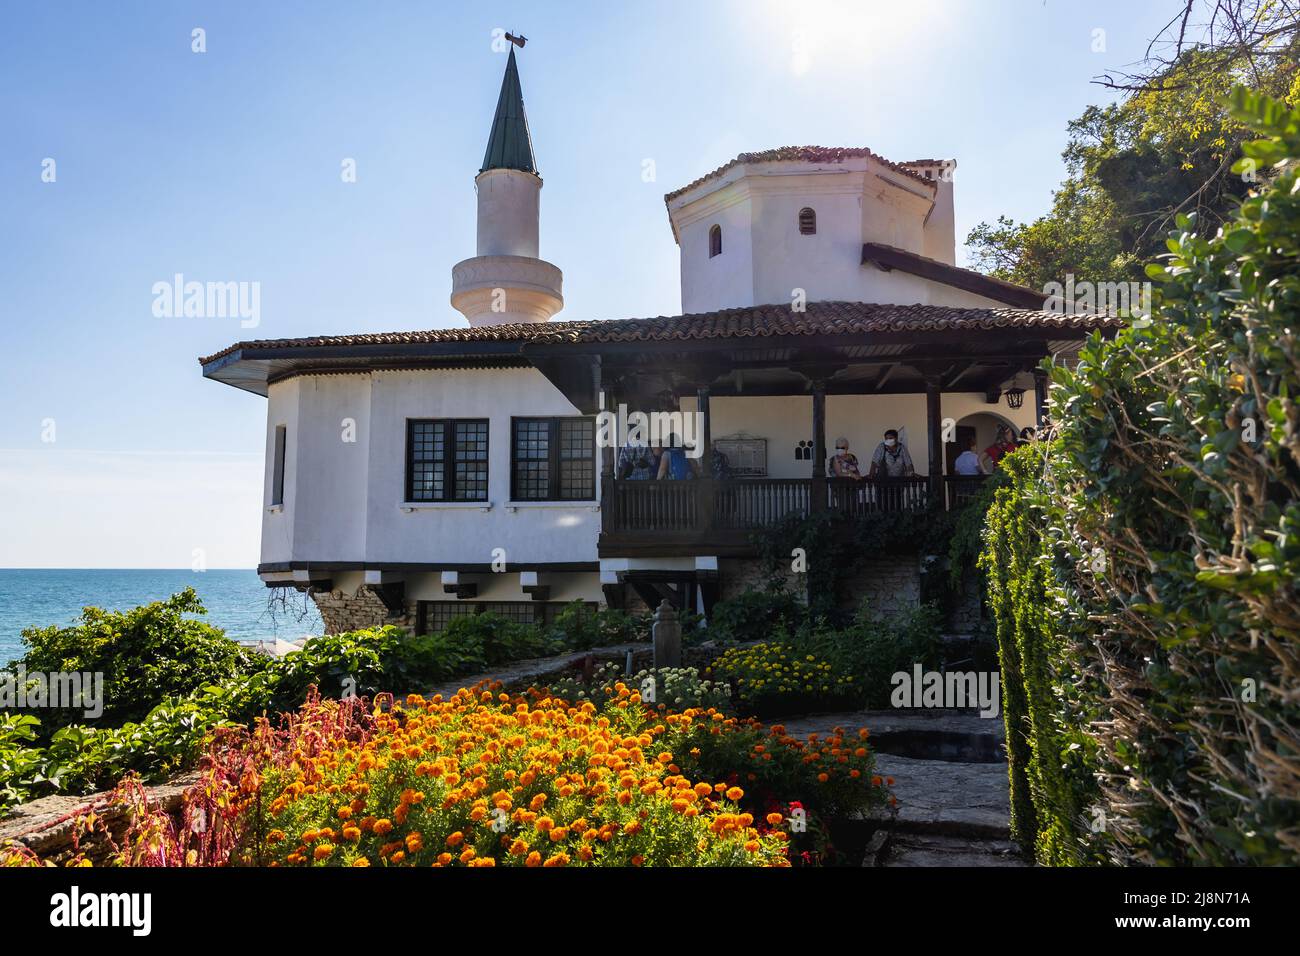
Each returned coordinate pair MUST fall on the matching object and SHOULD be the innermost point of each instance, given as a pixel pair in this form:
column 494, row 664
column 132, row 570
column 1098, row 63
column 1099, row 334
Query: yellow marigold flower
column 361, row 861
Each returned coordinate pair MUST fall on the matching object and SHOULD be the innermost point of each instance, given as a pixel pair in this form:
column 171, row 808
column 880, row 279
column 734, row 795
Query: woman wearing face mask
column 844, row 464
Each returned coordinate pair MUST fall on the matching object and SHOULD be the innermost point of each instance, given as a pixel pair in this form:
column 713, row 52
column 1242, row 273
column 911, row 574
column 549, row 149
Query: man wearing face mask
column 891, row 459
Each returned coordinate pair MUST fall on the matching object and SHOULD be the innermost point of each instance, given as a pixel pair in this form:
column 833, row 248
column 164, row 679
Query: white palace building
column 476, row 481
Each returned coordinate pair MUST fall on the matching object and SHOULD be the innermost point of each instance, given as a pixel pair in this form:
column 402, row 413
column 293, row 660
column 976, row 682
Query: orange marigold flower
column 361, row 861
column 559, row 859
column 383, row 826
column 774, row 818
column 468, row 855
column 455, row 839
column 322, row 851
column 823, row 777
column 345, row 813
column 735, row 793
column 534, row 859
column 638, row 860
column 352, row 834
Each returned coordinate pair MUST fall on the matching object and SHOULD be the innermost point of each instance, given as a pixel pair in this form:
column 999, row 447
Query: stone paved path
column 949, row 813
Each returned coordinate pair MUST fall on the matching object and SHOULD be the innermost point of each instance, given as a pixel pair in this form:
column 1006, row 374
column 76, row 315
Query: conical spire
column 510, row 146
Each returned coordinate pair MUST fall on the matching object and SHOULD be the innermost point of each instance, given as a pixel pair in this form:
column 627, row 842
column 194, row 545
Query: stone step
column 907, row 849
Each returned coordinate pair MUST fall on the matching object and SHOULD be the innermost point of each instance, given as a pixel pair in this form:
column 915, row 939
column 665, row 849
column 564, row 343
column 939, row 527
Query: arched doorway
column 983, row 427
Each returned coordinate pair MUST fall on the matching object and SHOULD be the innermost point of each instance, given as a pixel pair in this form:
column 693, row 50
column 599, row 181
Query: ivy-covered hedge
column 1145, row 569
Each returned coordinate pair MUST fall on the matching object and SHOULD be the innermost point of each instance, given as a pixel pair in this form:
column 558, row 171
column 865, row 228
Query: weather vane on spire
column 518, row 41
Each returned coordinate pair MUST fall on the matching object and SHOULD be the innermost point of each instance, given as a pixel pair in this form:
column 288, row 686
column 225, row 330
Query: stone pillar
column 667, row 635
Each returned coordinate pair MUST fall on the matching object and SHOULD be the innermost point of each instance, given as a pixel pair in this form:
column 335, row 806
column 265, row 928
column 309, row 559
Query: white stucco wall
column 765, row 257
column 343, row 502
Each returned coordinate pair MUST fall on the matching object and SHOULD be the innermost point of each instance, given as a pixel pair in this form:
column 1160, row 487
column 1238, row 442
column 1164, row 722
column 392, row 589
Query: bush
column 146, row 654
column 580, row 627
column 1151, row 621
column 755, row 616
column 873, row 648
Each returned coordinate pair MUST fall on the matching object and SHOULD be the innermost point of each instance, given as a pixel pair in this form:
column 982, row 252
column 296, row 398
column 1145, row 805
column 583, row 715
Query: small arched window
column 807, row 222
column 715, row 241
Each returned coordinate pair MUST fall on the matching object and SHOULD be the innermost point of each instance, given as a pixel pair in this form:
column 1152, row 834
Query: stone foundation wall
column 887, row 585
column 342, row 612
column 967, row 614
column 738, row 575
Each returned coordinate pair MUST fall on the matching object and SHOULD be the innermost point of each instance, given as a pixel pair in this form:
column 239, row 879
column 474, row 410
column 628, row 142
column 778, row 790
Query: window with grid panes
column 553, row 459
column 434, row 616
column 446, row 460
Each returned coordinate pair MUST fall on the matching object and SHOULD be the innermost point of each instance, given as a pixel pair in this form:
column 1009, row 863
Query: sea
column 236, row 601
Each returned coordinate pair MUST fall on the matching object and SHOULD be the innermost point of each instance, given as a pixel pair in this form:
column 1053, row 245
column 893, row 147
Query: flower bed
column 490, row 779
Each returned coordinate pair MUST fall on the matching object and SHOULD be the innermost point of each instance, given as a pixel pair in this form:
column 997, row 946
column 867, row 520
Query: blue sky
column 225, row 166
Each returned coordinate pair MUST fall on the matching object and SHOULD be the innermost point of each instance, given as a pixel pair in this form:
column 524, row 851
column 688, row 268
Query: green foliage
column 580, row 627
column 872, row 648
column 823, row 667
column 1147, row 567
column 755, row 615
column 837, row 545
column 1049, row 774
column 146, row 654
column 1131, row 167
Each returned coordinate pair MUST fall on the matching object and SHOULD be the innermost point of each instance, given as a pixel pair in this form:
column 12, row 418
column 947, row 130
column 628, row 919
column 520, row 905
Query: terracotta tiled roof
column 807, row 154
column 821, row 318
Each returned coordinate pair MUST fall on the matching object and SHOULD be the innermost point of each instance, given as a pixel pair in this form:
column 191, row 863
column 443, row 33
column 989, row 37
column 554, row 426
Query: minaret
column 506, row 282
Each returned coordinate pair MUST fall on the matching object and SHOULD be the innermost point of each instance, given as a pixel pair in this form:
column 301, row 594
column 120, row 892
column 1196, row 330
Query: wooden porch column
column 608, row 455
column 1040, row 397
column 706, row 429
column 817, row 499
column 704, row 490
column 934, row 436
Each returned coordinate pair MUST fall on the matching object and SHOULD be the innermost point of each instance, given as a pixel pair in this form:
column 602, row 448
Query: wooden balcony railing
column 693, row 508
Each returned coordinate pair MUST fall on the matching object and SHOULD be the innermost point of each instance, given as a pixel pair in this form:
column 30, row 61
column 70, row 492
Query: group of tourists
column 891, row 459
column 639, row 462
